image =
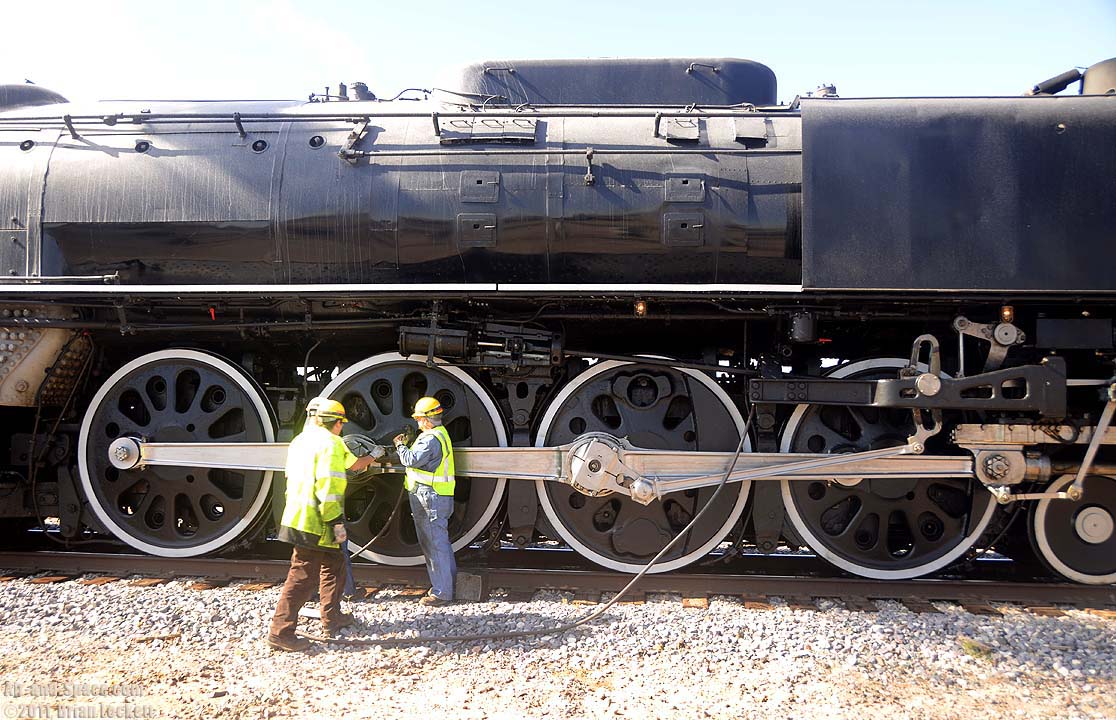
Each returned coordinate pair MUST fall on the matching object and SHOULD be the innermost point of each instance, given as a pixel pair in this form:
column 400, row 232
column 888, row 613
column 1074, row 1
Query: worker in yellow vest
column 314, row 522
column 430, row 484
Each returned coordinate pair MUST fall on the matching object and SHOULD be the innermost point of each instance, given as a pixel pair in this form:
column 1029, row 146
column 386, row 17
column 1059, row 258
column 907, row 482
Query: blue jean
column 431, row 512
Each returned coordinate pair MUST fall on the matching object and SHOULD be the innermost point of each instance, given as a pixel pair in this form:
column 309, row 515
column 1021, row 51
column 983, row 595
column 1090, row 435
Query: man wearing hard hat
column 430, row 483
column 314, row 522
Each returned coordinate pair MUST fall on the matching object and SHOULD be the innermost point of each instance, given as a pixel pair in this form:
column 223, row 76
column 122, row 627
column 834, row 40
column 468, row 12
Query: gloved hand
column 339, row 533
column 400, row 439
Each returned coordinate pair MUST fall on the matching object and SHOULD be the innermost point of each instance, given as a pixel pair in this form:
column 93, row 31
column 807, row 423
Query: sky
column 230, row 49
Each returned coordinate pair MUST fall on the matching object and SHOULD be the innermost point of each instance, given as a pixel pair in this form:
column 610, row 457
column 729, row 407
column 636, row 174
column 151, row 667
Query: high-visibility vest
column 316, row 462
column 441, row 479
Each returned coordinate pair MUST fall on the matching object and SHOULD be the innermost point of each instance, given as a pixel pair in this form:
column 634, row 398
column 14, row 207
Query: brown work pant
column 309, row 568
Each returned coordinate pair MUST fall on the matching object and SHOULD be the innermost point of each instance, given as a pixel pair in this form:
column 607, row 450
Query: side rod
column 666, row 470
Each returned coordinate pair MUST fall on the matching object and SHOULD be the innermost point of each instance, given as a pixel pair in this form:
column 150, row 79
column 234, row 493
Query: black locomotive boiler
column 607, row 271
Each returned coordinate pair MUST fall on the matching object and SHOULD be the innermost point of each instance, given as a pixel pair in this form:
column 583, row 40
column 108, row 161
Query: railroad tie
column 366, row 592
column 978, row 608
column 50, row 579
column 253, row 587
column 148, row 582
column 918, row 605
column 698, row 602
column 1107, row 614
column 801, row 602
column 100, row 580
column 586, row 598
column 519, row 596
column 207, row 584
column 756, row 602
column 856, row 603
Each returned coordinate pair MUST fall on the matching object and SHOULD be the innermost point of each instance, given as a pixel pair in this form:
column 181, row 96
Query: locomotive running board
column 595, row 464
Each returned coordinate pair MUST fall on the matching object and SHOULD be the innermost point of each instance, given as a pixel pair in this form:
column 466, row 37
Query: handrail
column 243, row 118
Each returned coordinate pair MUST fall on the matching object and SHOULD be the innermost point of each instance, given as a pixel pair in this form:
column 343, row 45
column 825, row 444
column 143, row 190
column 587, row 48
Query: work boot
column 346, row 620
column 434, row 601
column 288, row 643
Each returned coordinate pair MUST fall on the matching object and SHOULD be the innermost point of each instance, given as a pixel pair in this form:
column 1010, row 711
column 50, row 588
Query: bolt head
column 928, row 384
column 996, row 466
column 1006, row 334
column 642, row 491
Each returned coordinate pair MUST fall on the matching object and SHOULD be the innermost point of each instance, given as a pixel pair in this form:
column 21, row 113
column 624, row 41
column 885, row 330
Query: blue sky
column 289, row 48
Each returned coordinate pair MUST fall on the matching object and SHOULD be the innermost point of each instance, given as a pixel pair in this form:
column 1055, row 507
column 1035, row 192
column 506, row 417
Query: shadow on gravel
column 435, row 627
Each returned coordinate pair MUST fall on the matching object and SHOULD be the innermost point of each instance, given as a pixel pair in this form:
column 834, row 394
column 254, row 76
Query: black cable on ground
column 590, row 617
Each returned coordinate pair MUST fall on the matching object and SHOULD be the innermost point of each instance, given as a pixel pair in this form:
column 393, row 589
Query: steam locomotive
column 612, row 273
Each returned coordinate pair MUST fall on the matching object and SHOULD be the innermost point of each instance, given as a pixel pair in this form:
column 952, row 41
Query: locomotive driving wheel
column 175, row 396
column 378, row 394
column 1077, row 539
column 878, row 528
column 658, row 408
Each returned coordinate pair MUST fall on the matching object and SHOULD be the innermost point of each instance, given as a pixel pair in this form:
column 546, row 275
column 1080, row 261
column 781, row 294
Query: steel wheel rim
column 374, row 500
column 545, row 488
column 808, row 531
column 257, row 484
column 1062, row 551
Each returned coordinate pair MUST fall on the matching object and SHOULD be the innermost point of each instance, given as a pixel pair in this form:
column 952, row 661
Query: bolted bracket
column 1002, row 336
column 1000, row 466
column 349, row 151
column 594, row 465
column 124, row 453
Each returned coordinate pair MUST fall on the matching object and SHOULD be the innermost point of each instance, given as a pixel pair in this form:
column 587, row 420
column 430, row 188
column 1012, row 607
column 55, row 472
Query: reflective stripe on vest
column 442, row 479
column 315, row 483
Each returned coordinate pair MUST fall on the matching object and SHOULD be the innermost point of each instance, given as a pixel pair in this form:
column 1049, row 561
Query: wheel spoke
column 832, row 441
column 866, row 428
column 140, row 511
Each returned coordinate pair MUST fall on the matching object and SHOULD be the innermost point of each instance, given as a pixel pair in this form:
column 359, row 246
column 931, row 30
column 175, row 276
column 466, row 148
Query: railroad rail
column 521, row 581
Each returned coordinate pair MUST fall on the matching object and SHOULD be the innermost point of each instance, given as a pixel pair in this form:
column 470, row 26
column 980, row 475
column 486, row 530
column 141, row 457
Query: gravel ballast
column 67, row 645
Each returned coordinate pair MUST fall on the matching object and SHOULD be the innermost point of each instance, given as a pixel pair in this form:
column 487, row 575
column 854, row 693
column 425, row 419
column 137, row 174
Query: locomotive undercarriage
column 892, row 438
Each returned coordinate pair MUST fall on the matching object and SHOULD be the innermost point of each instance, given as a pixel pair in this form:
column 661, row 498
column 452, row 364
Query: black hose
column 590, row 617
column 387, row 524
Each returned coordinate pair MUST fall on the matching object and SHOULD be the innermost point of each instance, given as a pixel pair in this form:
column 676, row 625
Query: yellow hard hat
column 323, row 407
column 427, row 406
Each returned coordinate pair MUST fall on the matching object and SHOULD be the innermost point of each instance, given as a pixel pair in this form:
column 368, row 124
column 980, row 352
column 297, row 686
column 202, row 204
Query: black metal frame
column 1044, row 391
